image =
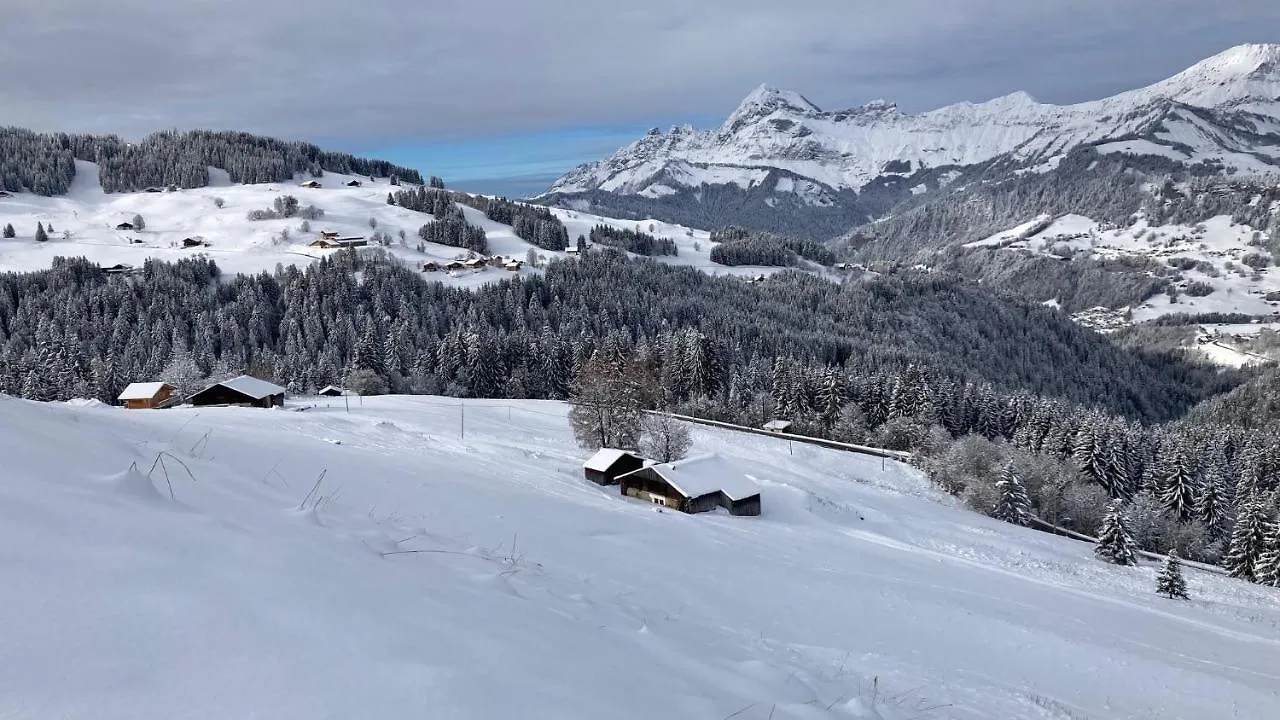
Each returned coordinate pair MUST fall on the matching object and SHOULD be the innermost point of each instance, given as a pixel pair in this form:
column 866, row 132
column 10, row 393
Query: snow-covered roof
column 777, row 425
column 334, row 388
column 604, row 459
column 252, row 386
column 141, row 391
column 706, row 474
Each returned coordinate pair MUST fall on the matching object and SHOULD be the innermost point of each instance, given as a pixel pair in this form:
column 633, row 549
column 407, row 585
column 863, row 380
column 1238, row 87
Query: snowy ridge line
column 1050, row 527
column 833, row 444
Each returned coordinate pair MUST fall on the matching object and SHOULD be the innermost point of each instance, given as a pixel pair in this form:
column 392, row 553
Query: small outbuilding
column 148, row 395
column 245, row 391
column 192, row 242
column 313, row 184
column 118, row 269
column 608, row 464
column 353, row 183
column 694, row 485
column 778, row 426
column 430, row 267
column 124, row 226
column 332, row 391
column 513, row 265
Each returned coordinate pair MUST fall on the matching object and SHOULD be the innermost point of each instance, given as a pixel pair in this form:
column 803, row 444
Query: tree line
column 44, row 163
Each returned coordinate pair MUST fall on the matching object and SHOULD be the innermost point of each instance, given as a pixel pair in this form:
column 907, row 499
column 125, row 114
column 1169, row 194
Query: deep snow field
column 257, row 590
column 87, row 217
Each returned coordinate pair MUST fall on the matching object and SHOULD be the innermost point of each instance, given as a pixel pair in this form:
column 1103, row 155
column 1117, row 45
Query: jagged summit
column 777, row 130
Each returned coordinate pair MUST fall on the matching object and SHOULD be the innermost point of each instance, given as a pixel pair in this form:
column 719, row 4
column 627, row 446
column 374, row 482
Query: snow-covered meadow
column 84, row 225
column 415, row 557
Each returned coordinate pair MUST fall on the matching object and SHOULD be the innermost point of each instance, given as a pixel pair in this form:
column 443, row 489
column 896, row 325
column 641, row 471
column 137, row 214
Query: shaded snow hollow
column 269, row 584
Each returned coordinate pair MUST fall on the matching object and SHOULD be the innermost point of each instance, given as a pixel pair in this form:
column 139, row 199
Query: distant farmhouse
column 244, row 390
column 311, row 184
column 148, row 395
column 694, row 485
column 778, row 426
column 608, row 464
column 334, row 243
column 333, row 391
column 124, row 226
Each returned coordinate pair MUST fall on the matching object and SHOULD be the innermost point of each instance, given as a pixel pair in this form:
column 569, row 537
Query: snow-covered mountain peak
column 766, row 100
column 848, row 149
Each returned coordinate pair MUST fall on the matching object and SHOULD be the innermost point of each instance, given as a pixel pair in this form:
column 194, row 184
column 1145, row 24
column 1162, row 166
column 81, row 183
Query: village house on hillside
column 694, row 485
column 244, row 390
column 608, row 464
column 148, row 395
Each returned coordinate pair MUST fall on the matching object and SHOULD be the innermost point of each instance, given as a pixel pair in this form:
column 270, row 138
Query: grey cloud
column 383, row 72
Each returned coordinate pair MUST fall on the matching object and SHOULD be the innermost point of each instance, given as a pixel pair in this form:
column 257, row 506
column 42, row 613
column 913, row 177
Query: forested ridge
column 44, row 163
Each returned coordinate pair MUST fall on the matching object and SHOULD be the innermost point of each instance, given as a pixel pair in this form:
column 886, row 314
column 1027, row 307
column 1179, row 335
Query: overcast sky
column 527, row 88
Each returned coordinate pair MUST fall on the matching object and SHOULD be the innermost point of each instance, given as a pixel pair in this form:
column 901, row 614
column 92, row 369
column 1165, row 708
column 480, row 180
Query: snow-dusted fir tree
column 1014, row 505
column 9, row 232
column 1248, row 539
column 1266, row 571
column 1170, row 582
column 41, row 235
column 1179, row 487
column 138, row 222
column 1115, row 541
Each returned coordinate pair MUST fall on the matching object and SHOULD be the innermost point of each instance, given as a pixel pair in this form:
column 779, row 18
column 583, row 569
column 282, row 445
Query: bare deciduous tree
column 665, row 438
column 607, row 398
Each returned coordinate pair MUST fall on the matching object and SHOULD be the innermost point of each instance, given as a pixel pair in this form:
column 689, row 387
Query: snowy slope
column 1217, row 246
column 860, row 592
column 1224, row 109
column 85, row 219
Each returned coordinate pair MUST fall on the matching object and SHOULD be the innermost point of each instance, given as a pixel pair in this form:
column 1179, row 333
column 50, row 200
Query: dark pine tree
column 1014, row 506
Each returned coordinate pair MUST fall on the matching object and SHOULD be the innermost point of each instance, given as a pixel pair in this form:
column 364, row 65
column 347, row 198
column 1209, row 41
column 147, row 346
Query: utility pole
column 462, row 418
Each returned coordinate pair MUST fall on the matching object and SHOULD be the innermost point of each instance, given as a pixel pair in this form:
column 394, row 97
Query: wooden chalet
column 124, row 226
column 118, row 269
column 313, row 184
column 430, row 266
column 694, row 485
column 337, row 243
column 777, row 426
column 474, row 263
column 328, row 234
column 148, row 396
column 573, row 250
column 513, row 265
column 454, row 265
column 332, row 391
column 608, row 464
column 192, row 242
column 353, row 183
column 244, row 391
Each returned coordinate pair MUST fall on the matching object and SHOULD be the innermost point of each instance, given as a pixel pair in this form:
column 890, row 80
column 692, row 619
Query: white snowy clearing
column 260, row 579
column 84, row 225
column 1217, row 245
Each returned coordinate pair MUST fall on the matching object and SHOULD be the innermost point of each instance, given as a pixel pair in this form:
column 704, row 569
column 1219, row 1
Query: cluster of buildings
column 243, row 391
column 693, row 485
column 475, row 263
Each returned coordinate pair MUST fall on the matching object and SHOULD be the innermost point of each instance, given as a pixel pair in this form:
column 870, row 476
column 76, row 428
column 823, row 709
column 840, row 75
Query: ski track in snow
column 861, row 592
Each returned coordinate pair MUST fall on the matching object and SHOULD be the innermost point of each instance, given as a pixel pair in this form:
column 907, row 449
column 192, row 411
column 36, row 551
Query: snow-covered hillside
column 1224, row 109
column 412, row 558
column 1218, row 269
column 84, row 223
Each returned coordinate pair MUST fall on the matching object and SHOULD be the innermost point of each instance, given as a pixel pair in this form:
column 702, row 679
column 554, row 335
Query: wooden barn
column 124, row 226
column 608, row 464
column 118, row 269
column 244, row 391
column 332, row 391
column 192, row 242
column 430, row 267
column 313, row 184
column 778, row 426
column 694, row 485
column 148, row 395
column 353, row 183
